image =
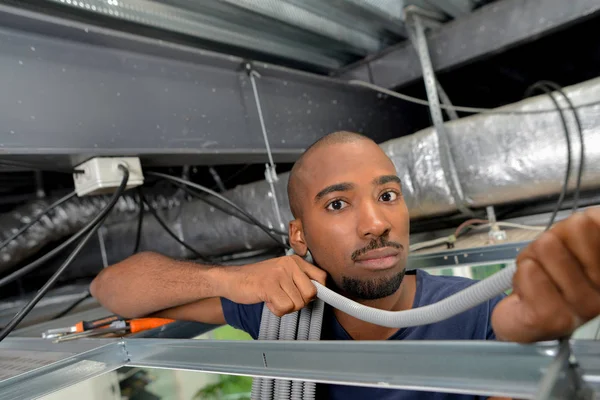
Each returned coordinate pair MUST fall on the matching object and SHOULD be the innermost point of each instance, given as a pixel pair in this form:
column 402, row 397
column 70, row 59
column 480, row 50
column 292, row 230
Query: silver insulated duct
column 499, row 158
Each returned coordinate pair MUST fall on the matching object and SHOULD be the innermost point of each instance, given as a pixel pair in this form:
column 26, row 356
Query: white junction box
column 102, row 175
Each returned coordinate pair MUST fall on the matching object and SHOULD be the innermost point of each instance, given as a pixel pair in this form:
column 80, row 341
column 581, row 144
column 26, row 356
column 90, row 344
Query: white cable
column 475, row 110
column 509, row 225
column 431, row 243
column 452, row 239
column 520, row 226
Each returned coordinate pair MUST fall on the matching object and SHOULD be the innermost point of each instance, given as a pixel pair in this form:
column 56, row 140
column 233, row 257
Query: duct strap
column 270, row 171
column 431, row 85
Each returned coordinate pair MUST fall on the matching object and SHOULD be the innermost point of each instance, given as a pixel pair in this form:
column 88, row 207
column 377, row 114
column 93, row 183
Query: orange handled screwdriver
column 125, row 326
column 144, row 324
column 81, row 326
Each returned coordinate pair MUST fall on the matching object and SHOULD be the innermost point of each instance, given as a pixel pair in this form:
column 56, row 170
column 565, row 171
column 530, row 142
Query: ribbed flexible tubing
column 457, row 303
column 273, row 325
column 314, row 333
column 262, row 335
column 287, row 331
column 303, row 331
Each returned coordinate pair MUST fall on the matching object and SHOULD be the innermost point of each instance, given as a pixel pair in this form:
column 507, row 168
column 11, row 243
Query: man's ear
column 297, row 240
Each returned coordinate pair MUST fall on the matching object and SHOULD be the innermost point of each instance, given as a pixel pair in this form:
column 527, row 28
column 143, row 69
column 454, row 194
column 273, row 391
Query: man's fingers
column 280, row 303
column 289, row 287
column 313, row 272
column 535, row 311
column 305, row 286
column 581, row 234
column 568, row 275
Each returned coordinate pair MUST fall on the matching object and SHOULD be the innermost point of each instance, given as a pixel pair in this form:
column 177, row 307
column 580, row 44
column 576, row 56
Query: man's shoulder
column 438, row 287
column 473, row 323
column 245, row 317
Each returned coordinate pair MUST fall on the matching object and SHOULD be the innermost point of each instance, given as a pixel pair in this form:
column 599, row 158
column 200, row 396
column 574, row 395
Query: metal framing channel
column 494, row 27
column 510, row 369
column 73, row 90
column 499, row 253
column 30, row 368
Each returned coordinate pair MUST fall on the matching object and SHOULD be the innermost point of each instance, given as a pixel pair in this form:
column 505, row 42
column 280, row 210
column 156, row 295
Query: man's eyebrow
column 338, row 187
column 382, row 180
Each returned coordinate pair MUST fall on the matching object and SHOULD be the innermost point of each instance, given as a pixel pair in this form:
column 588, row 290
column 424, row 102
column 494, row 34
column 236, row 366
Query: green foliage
column 227, row 332
column 227, row 387
column 485, row 271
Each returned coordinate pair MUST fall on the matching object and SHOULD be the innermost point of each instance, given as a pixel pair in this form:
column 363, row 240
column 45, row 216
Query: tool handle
column 82, row 326
column 143, row 324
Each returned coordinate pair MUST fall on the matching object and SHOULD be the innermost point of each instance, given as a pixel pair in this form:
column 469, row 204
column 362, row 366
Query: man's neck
column 401, row 300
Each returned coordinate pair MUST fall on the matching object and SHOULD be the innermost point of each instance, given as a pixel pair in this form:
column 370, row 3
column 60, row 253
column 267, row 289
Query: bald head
column 294, row 181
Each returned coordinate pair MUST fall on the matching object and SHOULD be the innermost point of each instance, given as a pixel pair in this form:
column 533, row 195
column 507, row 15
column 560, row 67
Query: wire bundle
column 87, row 232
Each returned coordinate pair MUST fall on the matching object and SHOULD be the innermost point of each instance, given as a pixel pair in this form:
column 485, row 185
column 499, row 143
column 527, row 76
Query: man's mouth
column 379, row 259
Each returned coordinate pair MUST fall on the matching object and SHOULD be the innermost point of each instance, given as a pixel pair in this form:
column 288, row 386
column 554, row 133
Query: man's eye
column 388, row 196
column 336, row 205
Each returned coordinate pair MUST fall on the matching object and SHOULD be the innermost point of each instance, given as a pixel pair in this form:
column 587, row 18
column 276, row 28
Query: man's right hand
column 283, row 284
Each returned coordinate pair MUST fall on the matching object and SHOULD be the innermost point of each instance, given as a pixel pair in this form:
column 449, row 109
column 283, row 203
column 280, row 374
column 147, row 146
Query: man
column 347, row 203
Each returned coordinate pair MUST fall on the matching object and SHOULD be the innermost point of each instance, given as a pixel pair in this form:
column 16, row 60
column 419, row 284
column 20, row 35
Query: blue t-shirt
column 473, row 324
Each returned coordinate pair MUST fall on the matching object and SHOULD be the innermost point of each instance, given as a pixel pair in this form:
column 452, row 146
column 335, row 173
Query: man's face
column 354, row 219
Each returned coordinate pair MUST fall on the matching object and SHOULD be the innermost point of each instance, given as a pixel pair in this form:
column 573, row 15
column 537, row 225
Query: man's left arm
column 556, row 287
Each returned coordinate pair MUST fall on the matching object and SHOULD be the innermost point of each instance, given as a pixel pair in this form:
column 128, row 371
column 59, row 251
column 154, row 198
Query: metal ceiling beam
column 493, row 28
column 73, row 90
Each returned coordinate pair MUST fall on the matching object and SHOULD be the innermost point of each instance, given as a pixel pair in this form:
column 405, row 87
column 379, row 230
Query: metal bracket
column 495, row 234
column 563, row 378
column 415, row 18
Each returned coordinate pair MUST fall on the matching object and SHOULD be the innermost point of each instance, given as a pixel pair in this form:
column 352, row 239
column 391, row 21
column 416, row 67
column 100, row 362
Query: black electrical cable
column 138, row 235
column 541, row 86
column 560, row 90
column 37, row 218
column 223, row 199
column 97, row 222
column 241, row 217
column 170, row 232
column 72, row 306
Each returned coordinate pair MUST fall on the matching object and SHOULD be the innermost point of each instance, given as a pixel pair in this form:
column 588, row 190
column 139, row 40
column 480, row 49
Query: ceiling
column 315, row 35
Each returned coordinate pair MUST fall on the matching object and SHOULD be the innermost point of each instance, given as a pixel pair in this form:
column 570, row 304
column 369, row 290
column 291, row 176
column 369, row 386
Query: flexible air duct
column 63, row 221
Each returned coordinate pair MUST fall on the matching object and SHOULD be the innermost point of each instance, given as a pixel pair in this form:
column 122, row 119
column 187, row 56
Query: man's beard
column 372, row 288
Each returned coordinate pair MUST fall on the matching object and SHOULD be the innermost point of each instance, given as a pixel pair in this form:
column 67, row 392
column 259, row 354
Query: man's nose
column 372, row 221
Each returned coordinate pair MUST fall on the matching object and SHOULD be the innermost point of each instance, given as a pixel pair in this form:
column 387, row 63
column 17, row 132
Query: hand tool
column 124, row 326
column 81, row 326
